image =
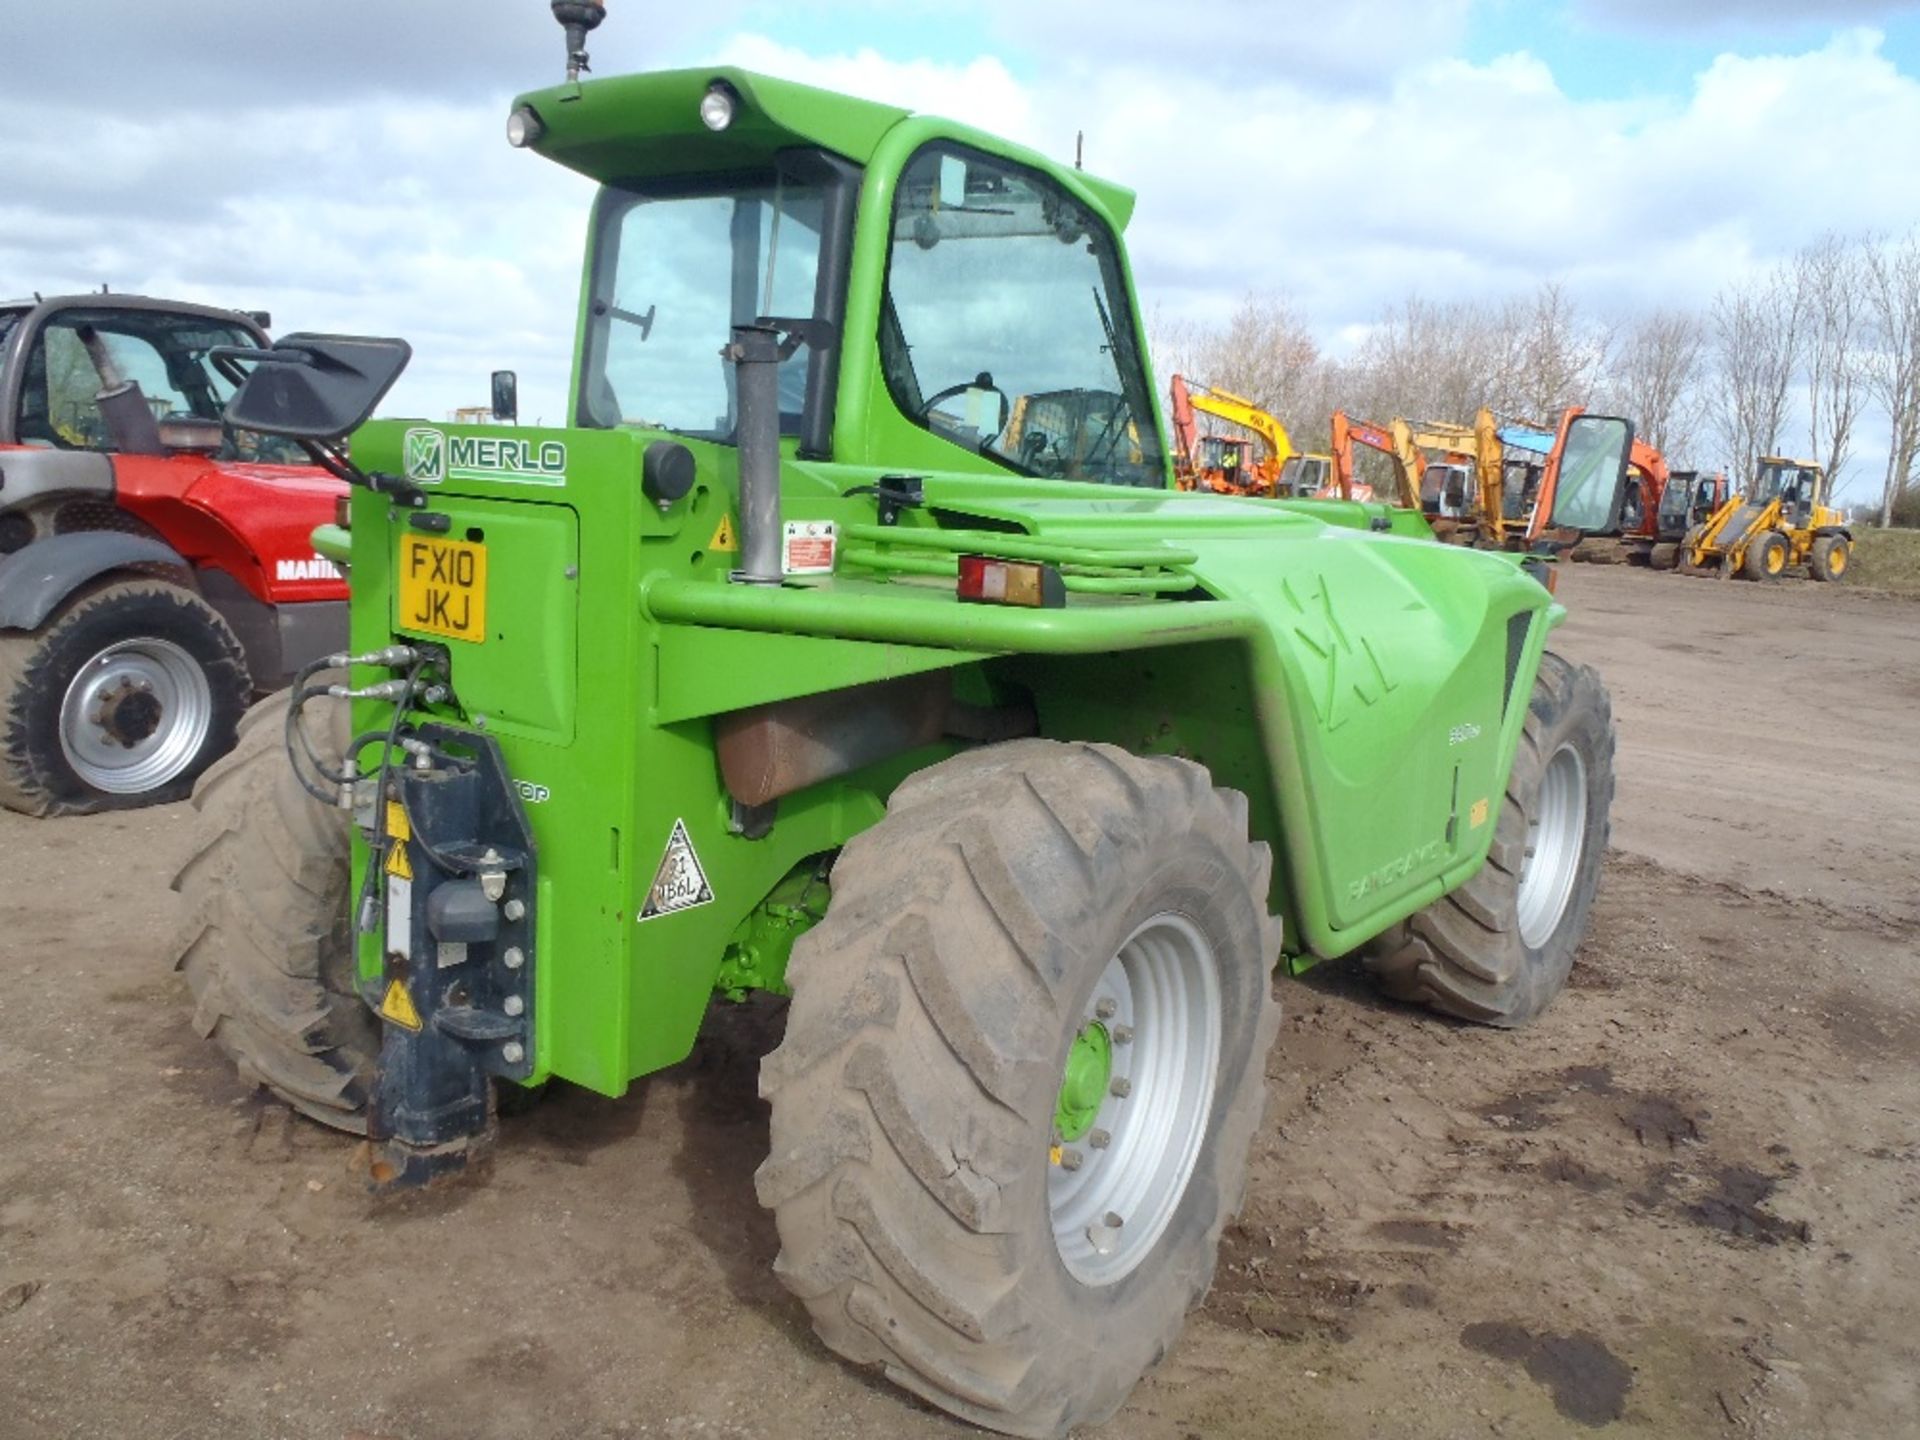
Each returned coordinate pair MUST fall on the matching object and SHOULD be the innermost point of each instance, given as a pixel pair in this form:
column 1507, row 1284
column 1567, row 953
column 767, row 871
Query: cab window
column 165, row 354
column 1006, row 328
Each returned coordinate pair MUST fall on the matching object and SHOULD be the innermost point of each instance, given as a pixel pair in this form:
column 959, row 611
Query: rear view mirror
column 312, row 387
column 506, row 396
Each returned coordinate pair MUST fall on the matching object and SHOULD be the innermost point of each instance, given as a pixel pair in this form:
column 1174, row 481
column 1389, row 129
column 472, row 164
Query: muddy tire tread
column 900, row 1241
column 265, row 941
column 1442, row 956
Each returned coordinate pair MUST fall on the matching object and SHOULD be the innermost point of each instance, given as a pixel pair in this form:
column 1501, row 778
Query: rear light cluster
column 986, row 581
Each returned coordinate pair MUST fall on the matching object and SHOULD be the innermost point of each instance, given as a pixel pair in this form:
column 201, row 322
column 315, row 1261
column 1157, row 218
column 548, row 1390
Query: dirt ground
column 1684, row 1204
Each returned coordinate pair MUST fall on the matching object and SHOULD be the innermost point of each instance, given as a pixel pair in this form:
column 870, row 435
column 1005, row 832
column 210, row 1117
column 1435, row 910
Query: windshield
column 1302, row 475
column 8, row 319
column 1588, row 493
column 675, row 273
column 1675, row 499
column 1780, row 479
column 1007, row 328
column 164, row 352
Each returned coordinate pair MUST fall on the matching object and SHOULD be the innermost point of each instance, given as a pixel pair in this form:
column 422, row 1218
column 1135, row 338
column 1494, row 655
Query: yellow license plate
column 443, row 587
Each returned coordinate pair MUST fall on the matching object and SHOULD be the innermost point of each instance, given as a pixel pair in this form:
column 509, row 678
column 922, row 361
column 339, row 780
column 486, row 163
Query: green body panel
column 1361, row 684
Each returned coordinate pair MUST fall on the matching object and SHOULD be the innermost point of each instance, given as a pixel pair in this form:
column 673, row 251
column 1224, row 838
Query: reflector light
column 986, row 581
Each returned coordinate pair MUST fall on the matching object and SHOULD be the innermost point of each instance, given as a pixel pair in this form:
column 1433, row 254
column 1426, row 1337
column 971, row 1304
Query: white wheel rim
column 135, row 716
column 1555, row 834
column 1159, row 999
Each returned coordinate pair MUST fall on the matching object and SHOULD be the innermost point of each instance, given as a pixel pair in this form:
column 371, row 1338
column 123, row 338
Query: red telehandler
column 156, row 568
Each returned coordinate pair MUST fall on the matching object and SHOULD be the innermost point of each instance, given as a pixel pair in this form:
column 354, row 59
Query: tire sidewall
column 88, row 625
column 1560, row 719
column 1757, row 553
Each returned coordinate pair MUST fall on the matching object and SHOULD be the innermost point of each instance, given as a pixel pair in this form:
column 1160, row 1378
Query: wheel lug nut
column 1105, row 1234
column 513, row 1005
column 1121, row 1086
column 1100, row 1139
column 513, row 1052
column 1106, row 1009
column 1123, row 1034
column 1070, row 1159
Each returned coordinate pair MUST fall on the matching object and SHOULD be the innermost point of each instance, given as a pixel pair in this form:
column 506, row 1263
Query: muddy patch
column 1565, row 1170
column 1734, row 1208
column 1661, row 1120
column 1588, row 1382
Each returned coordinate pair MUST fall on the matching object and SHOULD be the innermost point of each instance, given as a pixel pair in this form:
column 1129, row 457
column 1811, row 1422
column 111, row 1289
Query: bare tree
column 1266, row 353
column 1433, row 361
column 1655, row 378
column 1832, row 289
column 1893, row 363
column 1755, row 344
column 1560, row 352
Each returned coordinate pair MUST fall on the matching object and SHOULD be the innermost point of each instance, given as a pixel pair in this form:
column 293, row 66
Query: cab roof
column 648, row 126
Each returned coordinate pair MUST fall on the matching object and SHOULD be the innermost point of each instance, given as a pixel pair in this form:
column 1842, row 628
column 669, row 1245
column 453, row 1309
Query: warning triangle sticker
column 398, row 1007
column 679, row 883
column 723, row 536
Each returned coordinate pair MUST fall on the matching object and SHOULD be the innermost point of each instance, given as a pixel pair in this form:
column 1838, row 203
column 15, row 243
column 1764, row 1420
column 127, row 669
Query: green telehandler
column 792, row 665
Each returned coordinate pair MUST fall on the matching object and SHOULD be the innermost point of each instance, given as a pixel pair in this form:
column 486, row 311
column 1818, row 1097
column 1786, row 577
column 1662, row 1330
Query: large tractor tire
column 123, row 698
column 1683, row 561
column 1500, row 947
column 1830, row 558
column 1765, row 557
column 1024, row 1061
column 267, row 940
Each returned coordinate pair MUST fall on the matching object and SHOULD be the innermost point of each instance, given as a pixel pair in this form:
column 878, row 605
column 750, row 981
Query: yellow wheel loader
column 1782, row 522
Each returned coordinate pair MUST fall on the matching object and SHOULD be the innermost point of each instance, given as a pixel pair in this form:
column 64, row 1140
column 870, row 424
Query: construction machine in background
column 1690, row 498
column 1450, row 473
column 1226, row 464
column 1584, row 485
column 1305, row 476
column 1782, row 521
column 156, row 566
column 1638, row 530
column 1393, row 441
column 1460, row 487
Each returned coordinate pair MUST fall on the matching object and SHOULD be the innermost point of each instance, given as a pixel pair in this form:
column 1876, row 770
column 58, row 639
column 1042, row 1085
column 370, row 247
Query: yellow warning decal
column 1477, row 816
column 1054, row 1153
column 398, row 833
column 723, row 536
column 398, row 1007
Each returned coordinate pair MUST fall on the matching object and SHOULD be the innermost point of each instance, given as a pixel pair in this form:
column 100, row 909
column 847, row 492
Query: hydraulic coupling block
column 456, row 991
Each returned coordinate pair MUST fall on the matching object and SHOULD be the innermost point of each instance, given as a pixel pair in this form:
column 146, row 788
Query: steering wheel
column 982, row 381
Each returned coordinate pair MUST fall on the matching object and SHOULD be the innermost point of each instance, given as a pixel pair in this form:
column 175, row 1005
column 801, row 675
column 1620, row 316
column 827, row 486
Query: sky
column 344, row 165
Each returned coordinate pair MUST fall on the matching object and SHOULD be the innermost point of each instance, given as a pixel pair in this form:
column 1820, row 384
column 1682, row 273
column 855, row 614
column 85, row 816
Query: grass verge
column 1887, row 560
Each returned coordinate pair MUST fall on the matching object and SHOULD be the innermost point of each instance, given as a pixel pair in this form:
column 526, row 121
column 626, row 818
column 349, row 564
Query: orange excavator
column 1225, row 464
column 1600, row 494
column 1451, row 473
column 1394, row 441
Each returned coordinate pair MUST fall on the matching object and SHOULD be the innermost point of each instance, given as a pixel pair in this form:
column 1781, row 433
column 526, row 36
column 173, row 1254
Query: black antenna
column 1079, row 149
column 579, row 17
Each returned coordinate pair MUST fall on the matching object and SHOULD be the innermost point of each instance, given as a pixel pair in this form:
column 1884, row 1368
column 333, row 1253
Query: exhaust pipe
column 756, row 352
column 131, row 428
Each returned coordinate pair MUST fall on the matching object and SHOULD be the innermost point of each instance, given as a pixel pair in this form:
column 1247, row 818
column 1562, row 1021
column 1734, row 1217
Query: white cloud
column 1274, row 148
